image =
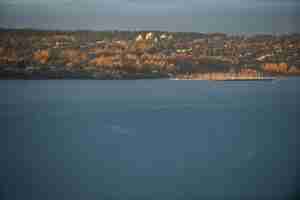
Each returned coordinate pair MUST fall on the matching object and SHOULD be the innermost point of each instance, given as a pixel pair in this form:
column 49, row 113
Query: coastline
column 122, row 75
column 228, row 76
column 269, row 78
column 27, row 54
column 131, row 77
column 229, row 80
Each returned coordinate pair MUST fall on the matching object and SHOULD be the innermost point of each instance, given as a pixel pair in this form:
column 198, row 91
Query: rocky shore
column 77, row 74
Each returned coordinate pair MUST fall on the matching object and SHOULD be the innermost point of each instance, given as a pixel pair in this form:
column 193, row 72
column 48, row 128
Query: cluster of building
column 149, row 52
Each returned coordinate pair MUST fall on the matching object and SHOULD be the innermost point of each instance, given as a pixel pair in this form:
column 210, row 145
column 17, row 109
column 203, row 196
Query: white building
column 163, row 36
column 149, row 36
column 170, row 37
column 139, row 38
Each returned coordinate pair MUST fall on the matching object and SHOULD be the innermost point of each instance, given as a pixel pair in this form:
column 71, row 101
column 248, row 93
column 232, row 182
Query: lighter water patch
column 117, row 129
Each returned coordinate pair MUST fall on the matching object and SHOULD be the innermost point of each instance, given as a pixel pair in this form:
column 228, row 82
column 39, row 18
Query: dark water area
column 149, row 139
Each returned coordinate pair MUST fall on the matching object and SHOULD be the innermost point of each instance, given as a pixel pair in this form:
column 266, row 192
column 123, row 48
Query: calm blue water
column 149, row 139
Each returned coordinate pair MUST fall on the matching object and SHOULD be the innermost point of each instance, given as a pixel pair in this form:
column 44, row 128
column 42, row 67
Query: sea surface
column 149, row 139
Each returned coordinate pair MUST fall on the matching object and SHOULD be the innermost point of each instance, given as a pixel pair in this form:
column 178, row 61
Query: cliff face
column 275, row 67
column 294, row 70
column 41, row 56
column 244, row 74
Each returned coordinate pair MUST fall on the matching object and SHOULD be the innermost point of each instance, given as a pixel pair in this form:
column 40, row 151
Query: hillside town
column 34, row 54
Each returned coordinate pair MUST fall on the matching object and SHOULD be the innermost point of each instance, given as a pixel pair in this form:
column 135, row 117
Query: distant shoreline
column 30, row 54
column 78, row 76
column 253, row 79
